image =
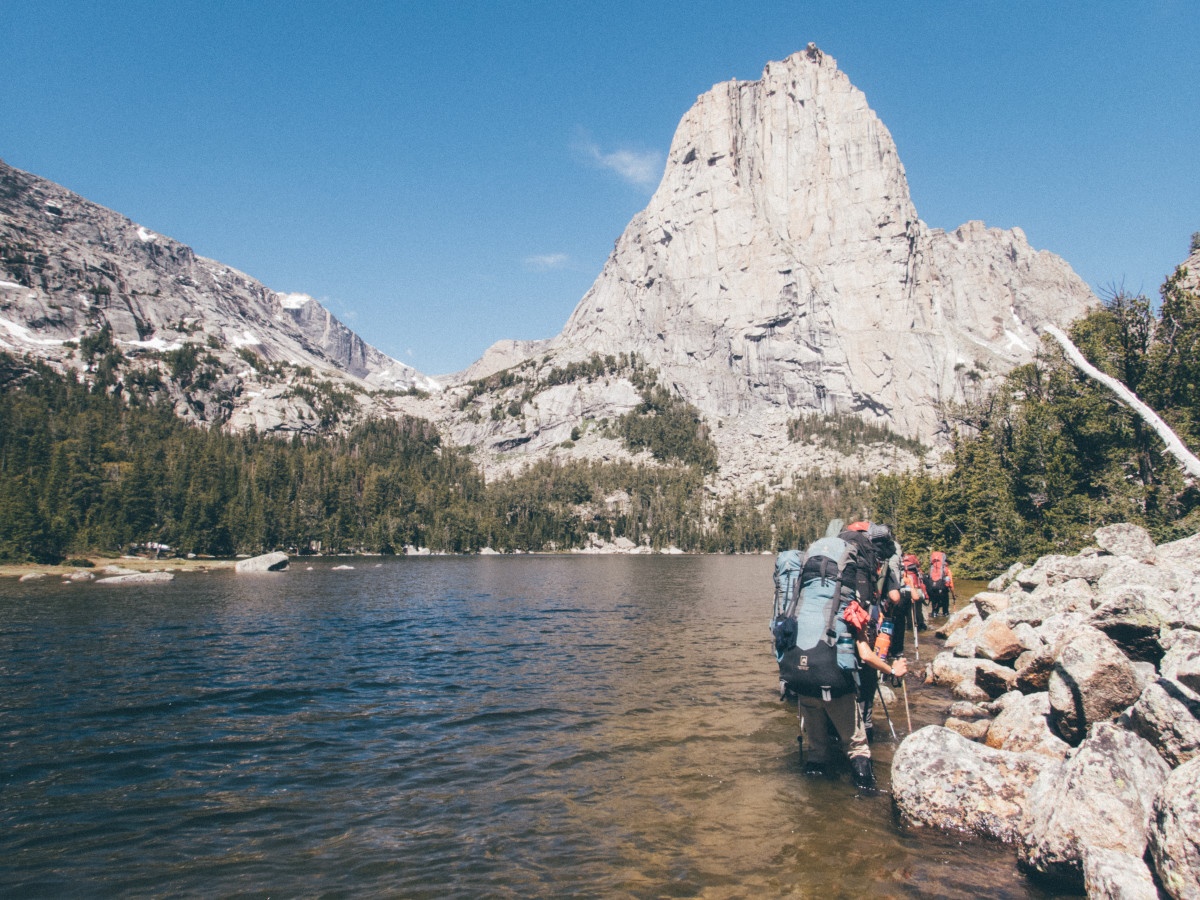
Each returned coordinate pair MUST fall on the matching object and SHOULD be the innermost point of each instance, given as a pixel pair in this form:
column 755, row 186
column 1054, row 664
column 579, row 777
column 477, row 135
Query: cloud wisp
column 547, row 262
column 640, row 168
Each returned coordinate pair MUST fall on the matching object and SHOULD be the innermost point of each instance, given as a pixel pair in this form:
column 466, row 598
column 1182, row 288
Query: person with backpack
column 939, row 584
column 913, row 582
column 876, row 582
column 820, row 629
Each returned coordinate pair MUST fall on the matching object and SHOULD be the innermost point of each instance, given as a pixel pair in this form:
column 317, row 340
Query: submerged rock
column 137, row 578
column 267, row 562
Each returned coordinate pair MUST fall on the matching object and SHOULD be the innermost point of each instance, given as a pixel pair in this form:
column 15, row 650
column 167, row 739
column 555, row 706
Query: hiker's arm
column 899, row 668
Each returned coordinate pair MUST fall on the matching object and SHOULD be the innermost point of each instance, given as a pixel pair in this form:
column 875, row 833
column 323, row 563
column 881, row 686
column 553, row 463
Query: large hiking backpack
column 813, row 646
column 937, row 569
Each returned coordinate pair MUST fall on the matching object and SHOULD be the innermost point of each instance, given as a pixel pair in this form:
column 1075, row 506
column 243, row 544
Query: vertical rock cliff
column 781, row 264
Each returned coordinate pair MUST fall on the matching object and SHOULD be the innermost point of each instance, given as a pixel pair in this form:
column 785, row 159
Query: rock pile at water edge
column 1076, row 731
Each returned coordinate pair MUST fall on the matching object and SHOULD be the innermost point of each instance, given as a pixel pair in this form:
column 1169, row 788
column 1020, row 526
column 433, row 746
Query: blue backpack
column 813, row 646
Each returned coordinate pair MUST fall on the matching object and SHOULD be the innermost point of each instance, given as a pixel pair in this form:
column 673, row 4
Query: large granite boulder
column 997, row 642
column 959, row 619
column 1184, row 605
column 994, row 678
column 1127, row 572
column 1024, row 727
column 942, row 780
column 1124, row 539
column 1034, row 608
column 267, row 562
column 1100, row 797
column 1091, row 682
column 990, row 602
column 1174, row 833
column 1135, row 617
column 1113, row 875
column 1169, row 719
column 1182, row 554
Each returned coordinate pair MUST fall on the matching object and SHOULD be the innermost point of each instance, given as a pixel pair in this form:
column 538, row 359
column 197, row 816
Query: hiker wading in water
column 844, row 712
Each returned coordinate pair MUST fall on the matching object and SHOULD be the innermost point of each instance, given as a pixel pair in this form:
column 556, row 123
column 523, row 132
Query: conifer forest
column 1034, row 466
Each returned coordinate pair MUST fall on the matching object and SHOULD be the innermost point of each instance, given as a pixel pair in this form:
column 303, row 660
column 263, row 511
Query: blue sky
column 445, row 174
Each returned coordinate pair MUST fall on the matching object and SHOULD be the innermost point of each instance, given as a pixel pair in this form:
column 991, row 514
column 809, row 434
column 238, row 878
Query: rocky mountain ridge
column 73, row 270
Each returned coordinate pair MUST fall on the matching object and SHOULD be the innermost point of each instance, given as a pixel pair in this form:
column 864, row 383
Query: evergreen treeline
column 92, row 468
column 1052, row 454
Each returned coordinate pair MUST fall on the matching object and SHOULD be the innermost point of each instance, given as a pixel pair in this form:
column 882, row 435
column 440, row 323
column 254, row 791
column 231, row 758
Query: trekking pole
column 907, row 714
column 879, row 691
column 912, row 617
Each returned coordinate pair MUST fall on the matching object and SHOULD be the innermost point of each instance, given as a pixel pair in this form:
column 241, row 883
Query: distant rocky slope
column 71, row 268
column 780, row 269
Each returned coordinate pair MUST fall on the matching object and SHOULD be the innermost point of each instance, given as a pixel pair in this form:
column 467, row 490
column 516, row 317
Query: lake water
column 436, row 727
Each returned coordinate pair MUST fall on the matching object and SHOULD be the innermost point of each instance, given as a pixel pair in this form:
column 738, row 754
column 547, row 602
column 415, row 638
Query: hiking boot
column 814, row 769
column 864, row 774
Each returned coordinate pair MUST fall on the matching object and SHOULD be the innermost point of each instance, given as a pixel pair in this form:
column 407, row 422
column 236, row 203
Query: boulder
column 1113, row 875
column 1028, row 636
column 942, row 780
column 1024, row 727
column 997, row 642
column 1184, row 606
column 1101, row 797
column 964, row 709
column 1038, row 574
column 966, row 634
column 1033, row 673
column 1070, row 596
column 1085, row 568
column 1188, row 674
column 990, row 602
column 33, row 576
column 1166, row 717
column 994, row 678
column 1060, row 627
column 1182, row 656
column 1124, row 539
column 947, row 670
column 1182, row 554
column 1127, row 572
column 1092, row 681
column 80, row 577
column 965, row 649
column 1174, row 833
column 961, row 618
column 1134, row 617
column 267, row 562
column 970, row 691
column 1006, row 578
column 971, row 729
column 137, row 578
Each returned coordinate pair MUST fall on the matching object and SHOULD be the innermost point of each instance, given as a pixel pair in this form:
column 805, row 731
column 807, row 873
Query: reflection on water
column 516, row 726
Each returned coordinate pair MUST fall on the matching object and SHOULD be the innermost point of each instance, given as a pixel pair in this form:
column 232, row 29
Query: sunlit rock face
column 69, row 268
column 781, row 265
